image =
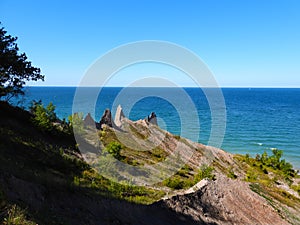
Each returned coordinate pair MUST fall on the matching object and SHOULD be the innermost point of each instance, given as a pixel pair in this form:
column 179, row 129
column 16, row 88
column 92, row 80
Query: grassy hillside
column 44, row 179
column 36, row 163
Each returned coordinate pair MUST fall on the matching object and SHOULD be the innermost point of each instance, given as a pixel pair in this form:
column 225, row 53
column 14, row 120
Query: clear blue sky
column 245, row 43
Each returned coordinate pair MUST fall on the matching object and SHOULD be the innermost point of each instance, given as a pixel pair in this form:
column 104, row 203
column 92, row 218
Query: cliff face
column 226, row 198
column 45, row 174
column 224, row 201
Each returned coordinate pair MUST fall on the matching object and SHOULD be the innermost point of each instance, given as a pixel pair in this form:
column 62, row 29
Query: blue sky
column 245, row 43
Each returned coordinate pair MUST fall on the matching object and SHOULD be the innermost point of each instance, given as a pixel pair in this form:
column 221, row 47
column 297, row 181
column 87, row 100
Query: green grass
column 12, row 214
column 204, row 171
column 186, row 177
column 257, row 188
column 15, row 215
column 129, row 155
column 259, row 168
column 264, row 173
column 272, row 195
column 98, row 184
column 50, row 159
column 231, row 173
column 296, row 188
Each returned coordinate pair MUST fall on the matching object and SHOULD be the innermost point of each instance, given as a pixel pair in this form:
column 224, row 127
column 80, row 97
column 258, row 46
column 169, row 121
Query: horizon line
column 279, row 87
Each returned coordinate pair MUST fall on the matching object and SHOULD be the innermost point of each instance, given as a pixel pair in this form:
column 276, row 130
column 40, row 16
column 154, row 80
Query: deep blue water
column 258, row 119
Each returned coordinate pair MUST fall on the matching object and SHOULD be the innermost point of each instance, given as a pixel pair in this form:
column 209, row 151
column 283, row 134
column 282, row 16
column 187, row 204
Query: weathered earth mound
column 224, row 201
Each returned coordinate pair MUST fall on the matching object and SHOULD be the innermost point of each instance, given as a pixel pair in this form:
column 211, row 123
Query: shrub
column 274, row 161
column 44, row 117
column 177, row 137
column 205, row 171
column 76, row 181
column 16, row 216
column 174, row 183
column 184, row 171
column 251, row 176
column 231, row 174
column 247, row 157
column 296, row 188
column 76, row 123
column 114, row 148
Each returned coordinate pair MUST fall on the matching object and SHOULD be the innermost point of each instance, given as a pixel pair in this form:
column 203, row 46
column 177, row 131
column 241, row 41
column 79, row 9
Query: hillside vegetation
column 39, row 166
column 44, row 179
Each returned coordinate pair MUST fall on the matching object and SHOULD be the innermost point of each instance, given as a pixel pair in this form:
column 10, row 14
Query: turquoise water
column 258, row 119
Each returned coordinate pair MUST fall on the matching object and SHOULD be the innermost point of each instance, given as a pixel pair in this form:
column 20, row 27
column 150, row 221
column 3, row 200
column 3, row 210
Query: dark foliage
column 15, row 69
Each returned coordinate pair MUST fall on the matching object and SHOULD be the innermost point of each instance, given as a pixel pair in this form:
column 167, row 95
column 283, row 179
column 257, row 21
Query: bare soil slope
column 44, row 174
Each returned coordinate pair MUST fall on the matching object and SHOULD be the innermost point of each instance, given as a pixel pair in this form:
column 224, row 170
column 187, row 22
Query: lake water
column 257, row 119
